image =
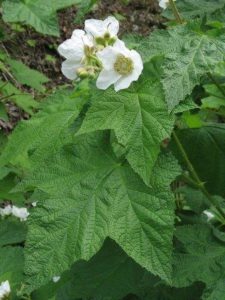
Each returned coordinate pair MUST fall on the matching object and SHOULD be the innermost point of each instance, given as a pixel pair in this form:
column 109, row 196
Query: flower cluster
column 4, row 290
column 18, row 212
column 164, row 3
column 96, row 50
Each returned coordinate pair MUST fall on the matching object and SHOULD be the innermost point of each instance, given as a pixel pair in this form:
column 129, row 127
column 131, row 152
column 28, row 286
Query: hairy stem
column 175, row 11
column 196, row 181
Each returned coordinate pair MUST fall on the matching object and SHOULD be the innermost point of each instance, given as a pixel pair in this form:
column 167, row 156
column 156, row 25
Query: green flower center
column 123, row 65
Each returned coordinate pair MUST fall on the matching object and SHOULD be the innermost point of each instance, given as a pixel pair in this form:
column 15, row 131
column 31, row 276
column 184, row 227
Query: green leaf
column 3, row 113
column 194, row 199
column 215, row 98
column 40, row 14
column 46, row 131
column 11, row 267
column 109, row 274
column 12, row 232
column 159, row 42
column 93, row 196
column 84, row 7
column 189, row 54
column 22, row 100
column 6, row 186
column 27, row 76
column 184, row 69
column 4, row 171
column 207, row 154
column 201, row 257
column 186, row 105
column 190, row 9
column 216, row 292
column 161, row 292
column 139, row 118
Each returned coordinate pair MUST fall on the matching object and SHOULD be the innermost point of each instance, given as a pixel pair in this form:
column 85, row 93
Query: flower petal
column 111, row 24
column 72, row 49
column 163, row 3
column 94, row 27
column 80, row 35
column 138, row 63
column 106, row 78
column 125, row 81
column 97, row 28
column 108, row 57
column 69, row 68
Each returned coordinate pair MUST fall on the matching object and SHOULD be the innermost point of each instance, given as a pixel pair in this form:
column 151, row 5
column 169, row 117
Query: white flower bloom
column 34, row 204
column 4, row 289
column 101, row 29
column 164, row 3
column 121, row 66
column 209, row 215
column 6, row 211
column 75, row 51
column 21, row 213
column 56, row 278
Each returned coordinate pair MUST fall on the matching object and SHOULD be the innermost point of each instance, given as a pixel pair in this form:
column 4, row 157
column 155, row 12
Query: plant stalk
column 175, row 11
column 197, row 181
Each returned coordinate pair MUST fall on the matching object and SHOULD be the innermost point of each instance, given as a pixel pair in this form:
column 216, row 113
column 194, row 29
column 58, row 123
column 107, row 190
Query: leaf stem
column 213, row 79
column 197, row 181
column 175, row 11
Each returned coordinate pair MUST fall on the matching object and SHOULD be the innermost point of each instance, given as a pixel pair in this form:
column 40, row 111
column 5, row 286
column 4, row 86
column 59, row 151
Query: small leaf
column 22, row 100
column 40, row 14
column 27, row 76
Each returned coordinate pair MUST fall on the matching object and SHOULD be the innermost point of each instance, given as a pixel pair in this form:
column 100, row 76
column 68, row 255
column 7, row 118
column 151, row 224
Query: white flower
column 4, row 289
column 75, row 51
column 20, row 213
column 121, row 66
column 164, row 3
column 6, row 211
column 209, row 215
column 34, row 204
column 102, row 29
column 56, row 278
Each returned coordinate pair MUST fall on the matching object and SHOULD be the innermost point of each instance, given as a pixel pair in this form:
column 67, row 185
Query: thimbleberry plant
column 114, row 187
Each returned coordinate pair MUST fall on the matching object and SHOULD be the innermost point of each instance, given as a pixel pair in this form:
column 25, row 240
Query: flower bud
column 82, row 72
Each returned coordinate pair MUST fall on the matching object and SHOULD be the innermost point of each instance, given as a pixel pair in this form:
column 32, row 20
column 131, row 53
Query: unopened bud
column 107, row 36
column 100, row 41
column 112, row 41
column 82, row 72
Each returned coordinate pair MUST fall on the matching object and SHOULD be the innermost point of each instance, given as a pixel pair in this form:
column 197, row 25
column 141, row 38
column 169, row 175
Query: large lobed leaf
column 139, row 118
column 93, row 196
column 189, row 54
